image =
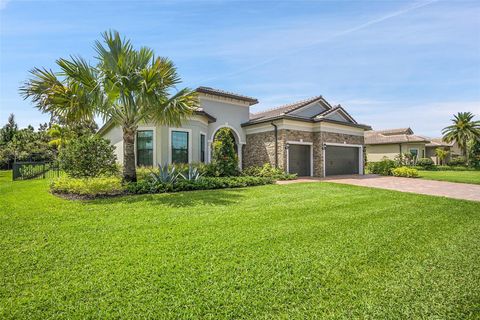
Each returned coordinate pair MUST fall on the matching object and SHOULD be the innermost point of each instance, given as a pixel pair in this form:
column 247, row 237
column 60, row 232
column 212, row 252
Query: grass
column 452, row 176
column 313, row 250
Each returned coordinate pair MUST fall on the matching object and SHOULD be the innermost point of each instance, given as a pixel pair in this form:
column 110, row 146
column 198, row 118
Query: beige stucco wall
column 195, row 126
column 376, row 152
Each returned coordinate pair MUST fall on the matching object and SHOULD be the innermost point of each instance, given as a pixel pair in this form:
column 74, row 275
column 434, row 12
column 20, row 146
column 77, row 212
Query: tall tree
column 126, row 86
column 9, row 130
column 463, row 129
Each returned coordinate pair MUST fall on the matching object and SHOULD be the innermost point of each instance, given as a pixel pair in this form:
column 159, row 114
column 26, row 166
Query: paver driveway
column 430, row 187
column 435, row 188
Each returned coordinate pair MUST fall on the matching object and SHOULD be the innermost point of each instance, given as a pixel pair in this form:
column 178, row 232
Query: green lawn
column 311, row 250
column 452, row 176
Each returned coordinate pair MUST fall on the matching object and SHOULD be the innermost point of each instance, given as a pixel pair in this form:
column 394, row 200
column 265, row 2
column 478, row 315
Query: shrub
column 164, row 174
column 405, row 172
column 87, row 186
column 425, row 163
column 268, row 171
column 203, row 183
column 457, row 161
column 224, row 157
column 383, row 167
column 88, row 156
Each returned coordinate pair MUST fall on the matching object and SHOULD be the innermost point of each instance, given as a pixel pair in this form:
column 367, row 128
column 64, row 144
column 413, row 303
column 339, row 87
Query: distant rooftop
column 399, row 135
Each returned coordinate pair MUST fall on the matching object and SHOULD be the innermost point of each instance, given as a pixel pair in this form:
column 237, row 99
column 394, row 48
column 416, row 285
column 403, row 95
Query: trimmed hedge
column 407, row 172
column 204, row 183
column 112, row 186
column 383, row 167
column 90, row 187
column 425, row 163
column 268, row 171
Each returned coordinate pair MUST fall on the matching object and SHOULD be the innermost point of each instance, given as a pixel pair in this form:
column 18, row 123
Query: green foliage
column 8, row 131
column 425, row 163
column 26, row 145
column 441, row 154
column 473, row 148
column 88, row 156
column 267, row 170
column 383, row 167
column 203, row 183
column 224, row 157
column 164, row 174
column 457, row 161
column 407, row 172
column 463, row 129
column 91, row 187
column 125, row 85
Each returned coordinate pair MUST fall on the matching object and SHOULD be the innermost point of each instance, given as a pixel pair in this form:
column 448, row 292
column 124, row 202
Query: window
column 414, row 152
column 202, row 148
column 423, row 153
column 145, row 148
column 179, row 147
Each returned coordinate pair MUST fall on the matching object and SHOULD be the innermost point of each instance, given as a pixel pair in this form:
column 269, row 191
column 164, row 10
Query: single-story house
column 390, row 143
column 310, row 137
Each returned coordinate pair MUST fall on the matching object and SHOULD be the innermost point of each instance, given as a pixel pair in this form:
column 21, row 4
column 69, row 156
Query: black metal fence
column 35, row 170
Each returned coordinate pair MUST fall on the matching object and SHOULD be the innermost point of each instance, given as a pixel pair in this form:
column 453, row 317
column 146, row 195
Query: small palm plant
column 441, row 154
column 463, row 129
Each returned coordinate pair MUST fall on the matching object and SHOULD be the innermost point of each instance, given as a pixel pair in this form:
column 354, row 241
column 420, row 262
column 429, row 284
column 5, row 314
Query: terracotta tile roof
column 438, row 142
column 226, row 94
column 403, row 135
column 396, row 131
column 277, row 111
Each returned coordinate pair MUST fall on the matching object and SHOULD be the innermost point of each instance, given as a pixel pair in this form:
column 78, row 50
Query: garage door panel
column 341, row 160
column 299, row 159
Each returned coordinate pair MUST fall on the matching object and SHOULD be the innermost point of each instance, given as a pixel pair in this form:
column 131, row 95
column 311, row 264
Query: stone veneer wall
column 260, row 147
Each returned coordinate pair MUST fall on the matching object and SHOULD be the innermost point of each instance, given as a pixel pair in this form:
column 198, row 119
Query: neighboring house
column 295, row 137
column 390, row 143
column 452, row 147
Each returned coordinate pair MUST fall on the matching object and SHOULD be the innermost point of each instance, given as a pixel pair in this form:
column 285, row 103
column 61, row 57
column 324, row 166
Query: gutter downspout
column 276, row 144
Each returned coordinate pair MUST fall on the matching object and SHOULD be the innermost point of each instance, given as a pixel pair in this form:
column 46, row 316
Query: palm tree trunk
column 466, row 150
column 129, row 169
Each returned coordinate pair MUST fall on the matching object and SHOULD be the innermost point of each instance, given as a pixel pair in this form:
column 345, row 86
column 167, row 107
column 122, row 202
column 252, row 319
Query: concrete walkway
column 429, row 187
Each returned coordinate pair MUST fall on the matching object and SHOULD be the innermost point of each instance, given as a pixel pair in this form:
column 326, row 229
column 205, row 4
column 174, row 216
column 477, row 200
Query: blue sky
column 389, row 63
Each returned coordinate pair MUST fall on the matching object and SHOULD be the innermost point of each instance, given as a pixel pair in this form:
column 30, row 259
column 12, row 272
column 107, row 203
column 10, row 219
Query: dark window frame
column 203, row 147
column 139, row 152
column 175, row 151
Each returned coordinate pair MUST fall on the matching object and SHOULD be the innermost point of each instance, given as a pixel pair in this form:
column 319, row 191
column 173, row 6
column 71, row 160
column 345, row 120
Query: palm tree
column 441, row 154
column 126, row 87
column 462, row 130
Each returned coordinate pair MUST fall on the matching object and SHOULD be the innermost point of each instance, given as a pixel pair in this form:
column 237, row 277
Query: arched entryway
column 236, row 139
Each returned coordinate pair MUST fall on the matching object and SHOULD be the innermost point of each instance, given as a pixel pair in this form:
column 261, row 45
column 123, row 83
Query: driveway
column 429, row 187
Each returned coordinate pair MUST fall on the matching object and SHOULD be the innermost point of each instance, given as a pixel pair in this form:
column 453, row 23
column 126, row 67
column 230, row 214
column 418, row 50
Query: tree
column 441, row 154
column 224, row 157
column 88, row 156
column 126, row 87
column 9, row 130
column 463, row 130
